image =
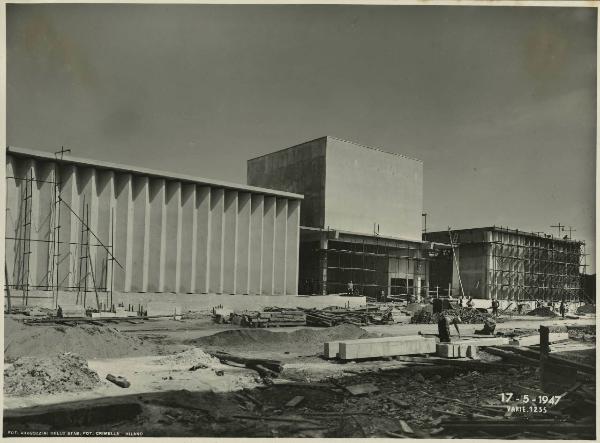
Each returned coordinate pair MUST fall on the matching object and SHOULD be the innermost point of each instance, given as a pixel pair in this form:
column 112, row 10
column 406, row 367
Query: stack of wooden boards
column 269, row 318
column 333, row 316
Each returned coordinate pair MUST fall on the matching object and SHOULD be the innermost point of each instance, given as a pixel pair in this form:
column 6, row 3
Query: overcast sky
column 499, row 103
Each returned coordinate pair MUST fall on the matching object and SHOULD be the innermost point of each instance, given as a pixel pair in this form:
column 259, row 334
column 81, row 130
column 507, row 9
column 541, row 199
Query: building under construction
column 507, row 264
column 85, row 228
column 360, row 220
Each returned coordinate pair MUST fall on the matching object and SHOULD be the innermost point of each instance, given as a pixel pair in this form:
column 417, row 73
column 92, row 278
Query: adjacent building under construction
column 508, row 264
column 324, row 217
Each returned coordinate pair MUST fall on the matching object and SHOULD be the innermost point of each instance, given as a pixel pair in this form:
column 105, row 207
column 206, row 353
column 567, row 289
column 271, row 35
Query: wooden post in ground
column 7, row 287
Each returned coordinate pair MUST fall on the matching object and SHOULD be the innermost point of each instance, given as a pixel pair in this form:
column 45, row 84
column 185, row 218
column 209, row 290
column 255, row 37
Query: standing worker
column 444, row 327
column 495, row 305
column 350, row 288
column 562, row 308
column 470, row 303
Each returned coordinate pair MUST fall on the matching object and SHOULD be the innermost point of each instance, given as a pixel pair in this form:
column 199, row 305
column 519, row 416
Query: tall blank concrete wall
column 347, row 187
column 366, row 188
column 300, row 169
column 168, row 234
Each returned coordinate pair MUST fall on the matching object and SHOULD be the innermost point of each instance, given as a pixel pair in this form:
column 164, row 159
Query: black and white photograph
column 300, row 220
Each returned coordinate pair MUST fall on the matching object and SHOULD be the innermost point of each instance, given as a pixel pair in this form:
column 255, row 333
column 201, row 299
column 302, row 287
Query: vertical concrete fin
column 173, row 237
column 12, row 243
column 187, row 255
column 217, row 212
column 105, row 188
column 280, row 246
column 156, row 276
column 230, row 242
column 268, row 246
column 123, row 232
column 141, row 234
column 293, row 246
column 243, row 243
column 203, row 238
column 256, row 244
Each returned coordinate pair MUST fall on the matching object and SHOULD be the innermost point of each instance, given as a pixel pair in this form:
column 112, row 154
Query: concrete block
column 452, row 350
column 103, row 314
column 531, row 340
column 72, row 310
column 472, row 351
column 386, row 347
column 331, row 349
column 445, row 350
column 488, row 341
column 163, row 308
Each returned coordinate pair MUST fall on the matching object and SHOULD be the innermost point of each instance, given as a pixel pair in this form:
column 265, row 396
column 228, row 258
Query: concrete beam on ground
column 385, row 347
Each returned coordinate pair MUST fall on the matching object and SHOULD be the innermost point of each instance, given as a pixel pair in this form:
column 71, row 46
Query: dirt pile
column 467, row 315
column 261, row 339
column 542, row 311
column 191, row 357
column 60, row 373
column 586, row 309
column 89, row 341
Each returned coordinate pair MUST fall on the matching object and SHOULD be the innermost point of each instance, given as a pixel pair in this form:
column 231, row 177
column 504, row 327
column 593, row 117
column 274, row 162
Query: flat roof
column 325, row 137
column 510, row 231
column 24, row 152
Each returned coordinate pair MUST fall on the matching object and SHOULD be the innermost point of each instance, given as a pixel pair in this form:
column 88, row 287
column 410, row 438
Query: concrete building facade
column 361, row 216
column 508, row 264
column 73, row 223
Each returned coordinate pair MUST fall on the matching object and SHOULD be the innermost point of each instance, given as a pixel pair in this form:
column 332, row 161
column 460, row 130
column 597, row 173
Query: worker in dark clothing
column 489, row 327
column 444, row 327
column 562, row 308
column 495, row 305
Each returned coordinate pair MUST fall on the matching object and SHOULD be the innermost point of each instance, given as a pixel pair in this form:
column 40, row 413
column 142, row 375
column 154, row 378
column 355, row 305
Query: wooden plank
column 294, row 401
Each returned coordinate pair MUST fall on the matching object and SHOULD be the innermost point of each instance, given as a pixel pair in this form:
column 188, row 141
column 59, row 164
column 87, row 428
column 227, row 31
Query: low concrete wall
column 191, row 302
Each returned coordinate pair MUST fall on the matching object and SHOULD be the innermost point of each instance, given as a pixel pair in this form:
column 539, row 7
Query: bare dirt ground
column 166, row 398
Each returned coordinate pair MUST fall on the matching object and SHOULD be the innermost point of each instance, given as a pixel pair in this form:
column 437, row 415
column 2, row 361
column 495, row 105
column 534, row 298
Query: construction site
column 149, row 303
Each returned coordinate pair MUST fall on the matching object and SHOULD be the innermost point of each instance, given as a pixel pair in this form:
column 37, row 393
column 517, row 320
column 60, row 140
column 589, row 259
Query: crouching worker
column 444, row 327
column 489, row 327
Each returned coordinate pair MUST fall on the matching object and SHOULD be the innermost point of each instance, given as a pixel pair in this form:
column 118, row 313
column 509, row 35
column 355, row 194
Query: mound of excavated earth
column 262, row 339
column 49, row 375
column 89, row 341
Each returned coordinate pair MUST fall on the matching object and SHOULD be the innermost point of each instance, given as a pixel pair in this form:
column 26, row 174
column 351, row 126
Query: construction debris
column 359, row 317
column 269, row 318
column 467, row 315
column 542, row 311
column 49, row 375
column 118, row 380
column 586, row 309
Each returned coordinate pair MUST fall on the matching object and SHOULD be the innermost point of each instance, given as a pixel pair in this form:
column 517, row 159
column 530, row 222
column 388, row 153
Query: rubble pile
column 467, row 315
column 542, row 311
column 586, row 309
column 61, row 373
